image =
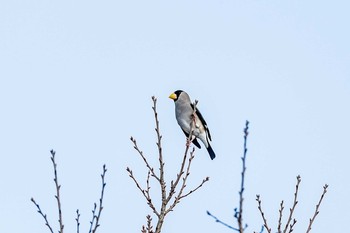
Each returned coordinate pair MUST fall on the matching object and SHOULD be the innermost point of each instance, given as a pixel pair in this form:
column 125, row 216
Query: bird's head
column 174, row 96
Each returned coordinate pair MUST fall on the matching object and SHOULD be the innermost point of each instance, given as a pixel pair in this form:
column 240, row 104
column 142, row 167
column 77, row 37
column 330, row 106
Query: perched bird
column 184, row 112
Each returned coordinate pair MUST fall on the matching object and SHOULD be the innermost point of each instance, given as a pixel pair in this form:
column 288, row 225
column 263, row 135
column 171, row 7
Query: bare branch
column 160, row 150
column 195, row 189
column 149, row 224
column 262, row 214
column 93, row 217
column 240, row 213
column 280, row 217
column 183, row 174
column 179, row 196
column 317, row 207
column 295, row 202
column 57, row 196
column 292, row 225
column 149, row 227
column 289, row 227
column 77, row 220
column 261, row 230
column 221, row 222
column 43, row 215
column 162, row 183
column 100, row 207
column 144, row 159
column 145, row 193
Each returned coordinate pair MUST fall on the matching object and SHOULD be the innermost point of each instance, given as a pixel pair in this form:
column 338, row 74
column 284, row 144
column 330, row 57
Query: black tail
column 211, row 152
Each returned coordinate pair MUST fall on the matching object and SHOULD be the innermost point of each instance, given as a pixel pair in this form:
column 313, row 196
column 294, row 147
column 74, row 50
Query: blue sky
column 78, row 77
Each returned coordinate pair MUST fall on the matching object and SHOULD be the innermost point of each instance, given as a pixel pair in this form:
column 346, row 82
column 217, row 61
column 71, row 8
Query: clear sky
column 78, row 76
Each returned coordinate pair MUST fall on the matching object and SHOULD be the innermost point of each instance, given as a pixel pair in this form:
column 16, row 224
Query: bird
column 184, row 112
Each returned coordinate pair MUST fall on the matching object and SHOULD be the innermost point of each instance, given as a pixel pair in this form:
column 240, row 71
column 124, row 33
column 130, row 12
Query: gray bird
column 183, row 113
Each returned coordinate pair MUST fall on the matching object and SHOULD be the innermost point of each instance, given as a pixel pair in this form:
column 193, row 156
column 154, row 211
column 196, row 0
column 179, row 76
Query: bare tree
column 171, row 197
column 96, row 213
column 238, row 211
column 172, row 194
column 291, row 221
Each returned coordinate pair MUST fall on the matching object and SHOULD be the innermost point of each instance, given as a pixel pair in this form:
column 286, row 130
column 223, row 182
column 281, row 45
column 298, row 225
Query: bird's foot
column 193, row 119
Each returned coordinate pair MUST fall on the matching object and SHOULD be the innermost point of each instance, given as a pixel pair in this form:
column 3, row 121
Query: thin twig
column 57, row 196
column 317, row 207
column 93, row 217
column 144, row 192
column 184, row 179
column 100, row 207
column 161, row 168
column 195, row 189
column 292, row 225
column 179, row 196
column 280, row 217
column 149, row 224
column 173, row 184
column 262, row 214
column 295, row 202
column 221, row 222
column 149, row 227
column 94, row 223
column 240, row 213
column 148, row 195
column 144, row 159
column 43, row 215
column 77, row 220
column 160, row 150
column 261, row 230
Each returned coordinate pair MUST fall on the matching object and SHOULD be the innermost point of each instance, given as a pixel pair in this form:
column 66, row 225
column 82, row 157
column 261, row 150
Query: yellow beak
column 173, row 96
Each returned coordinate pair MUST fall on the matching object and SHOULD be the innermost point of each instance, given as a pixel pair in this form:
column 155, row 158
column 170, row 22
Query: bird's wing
column 194, row 140
column 203, row 121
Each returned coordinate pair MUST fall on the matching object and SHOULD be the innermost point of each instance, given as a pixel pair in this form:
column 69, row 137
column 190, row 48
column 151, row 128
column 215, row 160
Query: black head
column 174, row 96
column 178, row 92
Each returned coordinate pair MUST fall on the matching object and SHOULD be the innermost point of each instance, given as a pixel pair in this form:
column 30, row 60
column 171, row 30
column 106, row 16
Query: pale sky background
column 78, row 76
